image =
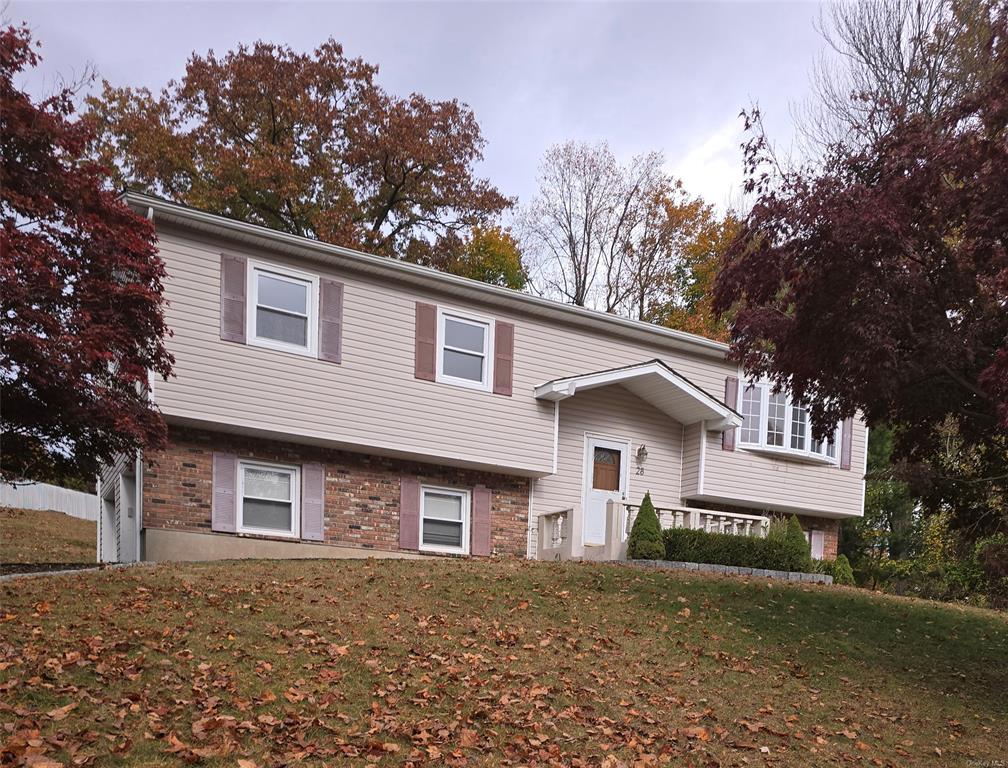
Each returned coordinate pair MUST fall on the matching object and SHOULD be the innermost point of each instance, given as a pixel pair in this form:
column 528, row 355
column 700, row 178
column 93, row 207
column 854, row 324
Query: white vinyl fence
column 43, row 496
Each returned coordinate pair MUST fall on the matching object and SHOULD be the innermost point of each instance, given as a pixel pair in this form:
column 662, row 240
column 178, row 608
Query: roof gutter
column 407, row 271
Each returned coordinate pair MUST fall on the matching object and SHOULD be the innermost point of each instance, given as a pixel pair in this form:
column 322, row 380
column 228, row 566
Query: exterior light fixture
column 641, row 455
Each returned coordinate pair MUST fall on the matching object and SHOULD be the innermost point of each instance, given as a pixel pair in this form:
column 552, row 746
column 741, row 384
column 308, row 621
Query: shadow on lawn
column 946, row 649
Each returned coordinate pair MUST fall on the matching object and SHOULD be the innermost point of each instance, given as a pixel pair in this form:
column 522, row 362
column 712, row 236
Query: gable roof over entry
column 655, row 383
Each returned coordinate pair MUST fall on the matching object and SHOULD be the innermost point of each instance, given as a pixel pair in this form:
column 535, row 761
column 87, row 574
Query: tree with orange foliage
column 306, row 143
column 694, row 276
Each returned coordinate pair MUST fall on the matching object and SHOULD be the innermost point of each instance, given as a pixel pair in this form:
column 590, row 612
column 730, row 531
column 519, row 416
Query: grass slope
column 475, row 663
column 35, row 536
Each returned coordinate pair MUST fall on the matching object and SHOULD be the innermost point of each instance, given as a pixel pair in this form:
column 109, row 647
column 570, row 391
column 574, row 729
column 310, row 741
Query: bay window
column 774, row 423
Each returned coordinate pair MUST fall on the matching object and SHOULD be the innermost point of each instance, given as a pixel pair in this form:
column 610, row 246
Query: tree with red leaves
column 878, row 282
column 80, row 293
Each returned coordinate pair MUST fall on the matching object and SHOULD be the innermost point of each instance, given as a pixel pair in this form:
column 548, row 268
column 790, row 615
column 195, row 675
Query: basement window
column 269, row 499
column 444, row 520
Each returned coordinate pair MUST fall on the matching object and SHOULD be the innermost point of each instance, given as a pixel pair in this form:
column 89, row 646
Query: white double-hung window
column 464, row 349
column 444, row 520
column 269, row 499
column 776, row 419
column 283, row 310
column 750, row 410
column 799, row 427
column 775, row 423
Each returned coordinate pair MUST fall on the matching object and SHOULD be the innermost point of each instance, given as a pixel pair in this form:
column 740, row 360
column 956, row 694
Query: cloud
column 713, row 168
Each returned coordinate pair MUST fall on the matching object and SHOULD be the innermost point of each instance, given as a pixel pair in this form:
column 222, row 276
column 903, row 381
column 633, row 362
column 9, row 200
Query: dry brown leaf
column 696, row 732
column 468, row 738
column 61, row 712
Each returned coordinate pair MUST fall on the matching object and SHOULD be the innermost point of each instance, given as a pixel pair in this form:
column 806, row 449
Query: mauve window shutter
column 846, row 430
column 425, row 360
column 503, row 358
column 731, row 400
column 313, row 502
column 232, row 298
column 409, row 513
column 480, row 539
column 223, row 507
column 331, row 320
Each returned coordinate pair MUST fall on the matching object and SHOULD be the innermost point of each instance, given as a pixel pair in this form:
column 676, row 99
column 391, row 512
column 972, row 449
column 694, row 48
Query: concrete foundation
column 160, row 544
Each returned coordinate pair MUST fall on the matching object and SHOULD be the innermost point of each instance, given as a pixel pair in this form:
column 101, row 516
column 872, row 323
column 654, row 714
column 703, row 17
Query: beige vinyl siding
column 612, row 412
column 690, row 458
column 123, row 464
column 373, row 403
column 111, row 486
column 750, row 478
column 373, row 400
column 109, row 473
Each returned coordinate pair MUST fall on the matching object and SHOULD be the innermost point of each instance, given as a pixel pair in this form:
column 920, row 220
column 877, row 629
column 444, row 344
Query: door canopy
column 655, row 383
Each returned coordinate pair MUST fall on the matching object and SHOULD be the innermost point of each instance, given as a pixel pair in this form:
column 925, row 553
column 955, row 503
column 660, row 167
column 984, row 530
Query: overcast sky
column 643, row 76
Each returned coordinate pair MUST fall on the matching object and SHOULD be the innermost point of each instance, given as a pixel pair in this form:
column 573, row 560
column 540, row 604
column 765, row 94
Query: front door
column 605, row 480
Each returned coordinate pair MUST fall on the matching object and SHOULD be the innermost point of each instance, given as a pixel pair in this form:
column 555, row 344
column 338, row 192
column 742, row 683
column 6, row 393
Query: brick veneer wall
column 831, row 533
column 829, row 527
column 361, row 491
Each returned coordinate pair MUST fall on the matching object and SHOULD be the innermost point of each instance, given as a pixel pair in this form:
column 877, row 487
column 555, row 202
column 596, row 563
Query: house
column 330, row 403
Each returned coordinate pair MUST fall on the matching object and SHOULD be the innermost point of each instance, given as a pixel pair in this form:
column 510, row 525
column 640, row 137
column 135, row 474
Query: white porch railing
column 710, row 520
column 554, row 540
column 556, row 532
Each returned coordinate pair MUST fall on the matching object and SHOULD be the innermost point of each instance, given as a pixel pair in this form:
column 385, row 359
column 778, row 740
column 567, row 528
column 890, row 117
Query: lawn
column 35, row 536
column 474, row 663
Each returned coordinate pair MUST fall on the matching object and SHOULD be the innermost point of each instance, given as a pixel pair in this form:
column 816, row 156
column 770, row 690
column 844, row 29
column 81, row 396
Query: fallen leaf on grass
column 696, row 732
column 469, row 738
column 41, row 761
column 61, row 712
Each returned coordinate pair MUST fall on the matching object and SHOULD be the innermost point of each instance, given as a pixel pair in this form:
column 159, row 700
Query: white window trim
column 805, row 438
column 786, row 451
column 295, row 472
column 256, row 267
column 488, row 352
column 466, row 519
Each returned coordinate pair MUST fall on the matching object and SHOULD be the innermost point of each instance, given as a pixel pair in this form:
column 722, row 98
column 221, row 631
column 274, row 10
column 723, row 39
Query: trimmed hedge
column 781, row 550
